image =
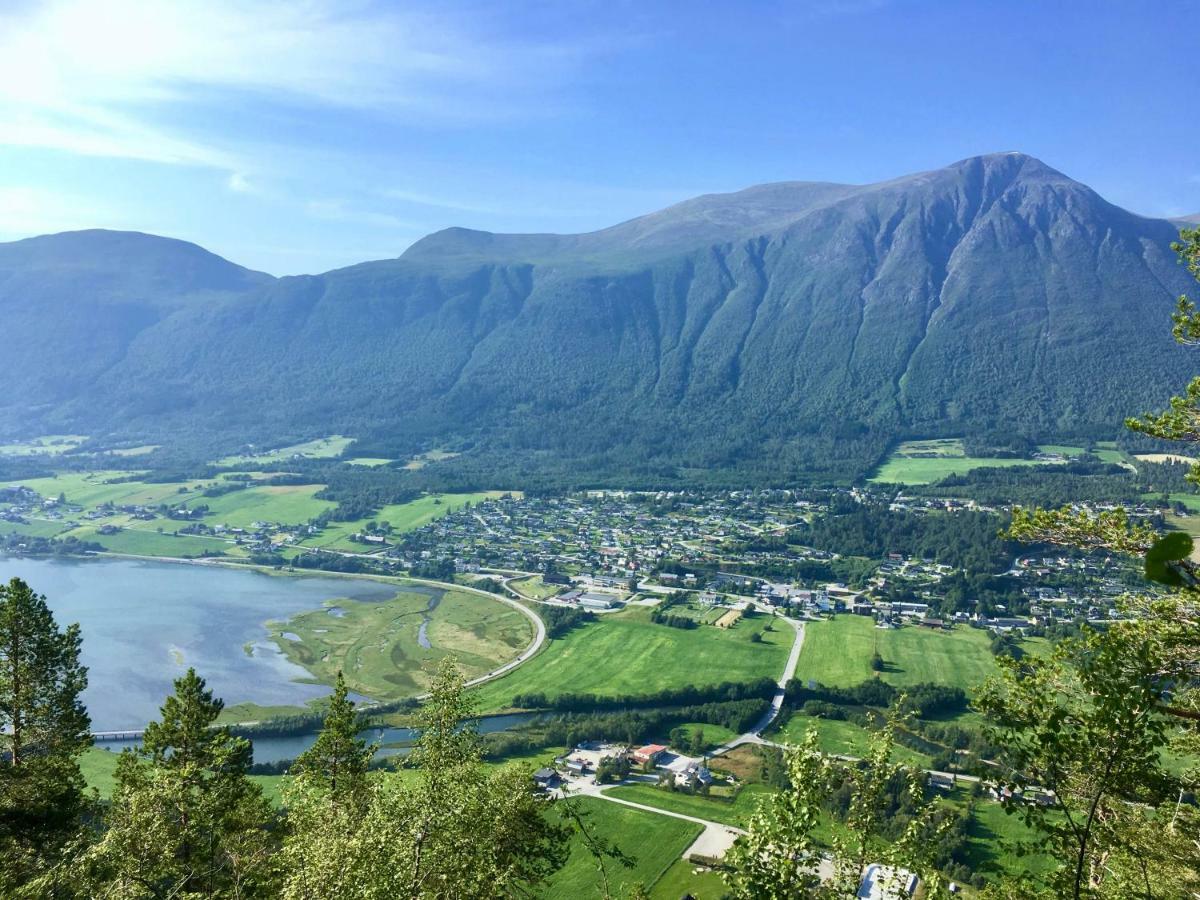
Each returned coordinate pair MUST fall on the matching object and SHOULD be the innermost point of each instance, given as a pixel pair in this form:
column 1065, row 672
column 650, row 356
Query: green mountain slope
column 787, row 331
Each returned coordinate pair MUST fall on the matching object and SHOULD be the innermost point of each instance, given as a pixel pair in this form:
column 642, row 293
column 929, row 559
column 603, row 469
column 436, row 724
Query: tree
column 327, row 800
column 43, row 729
column 1083, row 736
column 780, row 857
column 452, row 829
column 185, row 820
column 338, row 758
column 1117, row 696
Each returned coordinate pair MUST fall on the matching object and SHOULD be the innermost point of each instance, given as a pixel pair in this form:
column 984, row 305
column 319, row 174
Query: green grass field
column 47, row 445
column 536, row 588
column 926, row 470
column 654, row 842
column 714, row 735
column 625, row 653
column 370, row 462
column 146, row 541
column 292, row 504
column 1062, row 449
column 683, row 879
column 91, row 489
column 736, row 812
column 838, row 653
column 402, row 517
column 377, row 644
column 842, row 738
column 999, row 843
column 321, row 448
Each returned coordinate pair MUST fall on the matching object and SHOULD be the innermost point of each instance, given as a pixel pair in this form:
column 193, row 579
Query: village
column 600, row 550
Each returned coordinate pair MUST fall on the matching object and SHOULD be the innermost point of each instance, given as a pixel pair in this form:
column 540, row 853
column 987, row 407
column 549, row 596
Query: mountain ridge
column 786, row 331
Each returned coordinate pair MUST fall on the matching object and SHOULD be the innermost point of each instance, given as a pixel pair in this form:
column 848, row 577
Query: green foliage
column 457, row 829
column 184, row 818
column 339, row 759
column 780, row 857
column 43, row 730
column 1083, row 729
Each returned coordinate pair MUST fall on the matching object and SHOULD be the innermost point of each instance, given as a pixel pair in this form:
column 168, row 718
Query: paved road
column 539, row 636
column 754, row 735
column 712, row 842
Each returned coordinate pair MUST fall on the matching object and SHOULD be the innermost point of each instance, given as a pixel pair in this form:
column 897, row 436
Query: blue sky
column 303, row 135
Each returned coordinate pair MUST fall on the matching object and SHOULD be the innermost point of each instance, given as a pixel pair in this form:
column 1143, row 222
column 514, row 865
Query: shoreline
column 535, row 646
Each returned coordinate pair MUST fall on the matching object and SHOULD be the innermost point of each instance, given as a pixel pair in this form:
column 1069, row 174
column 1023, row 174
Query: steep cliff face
column 798, row 325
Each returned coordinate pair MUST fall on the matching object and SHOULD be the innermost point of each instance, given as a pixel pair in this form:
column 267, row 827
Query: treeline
column 762, row 688
column 561, row 619
column 628, row 726
column 1078, row 481
column 43, row 546
column 967, row 540
column 925, row 699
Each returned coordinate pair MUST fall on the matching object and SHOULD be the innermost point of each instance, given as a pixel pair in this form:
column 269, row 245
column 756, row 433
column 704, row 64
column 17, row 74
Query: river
column 276, row 749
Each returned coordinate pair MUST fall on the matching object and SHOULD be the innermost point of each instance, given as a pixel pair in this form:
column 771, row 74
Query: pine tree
column 451, row 828
column 185, row 820
column 43, row 729
column 338, row 759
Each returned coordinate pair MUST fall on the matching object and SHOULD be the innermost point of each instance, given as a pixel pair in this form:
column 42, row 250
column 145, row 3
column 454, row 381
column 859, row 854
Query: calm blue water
column 145, row 623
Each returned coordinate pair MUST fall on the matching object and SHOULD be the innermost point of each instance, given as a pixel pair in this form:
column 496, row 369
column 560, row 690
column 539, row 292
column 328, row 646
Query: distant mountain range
column 787, row 331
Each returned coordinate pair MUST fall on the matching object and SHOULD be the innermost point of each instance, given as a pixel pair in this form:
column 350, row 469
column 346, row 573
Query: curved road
column 539, row 636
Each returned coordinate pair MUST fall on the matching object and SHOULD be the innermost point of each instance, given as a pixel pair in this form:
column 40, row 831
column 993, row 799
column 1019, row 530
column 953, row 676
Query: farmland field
column 838, row 653
column 841, row 738
column 736, row 812
column 379, row 645
column 402, row 517
column 91, row 489
column 293, row 504
column 48, row 445
column 654, row 842
column 923, row 462
column 534, row 587
column 321, row 448
column 626, row 653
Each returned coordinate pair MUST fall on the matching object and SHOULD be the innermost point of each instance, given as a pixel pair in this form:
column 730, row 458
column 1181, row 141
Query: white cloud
column 109, row 77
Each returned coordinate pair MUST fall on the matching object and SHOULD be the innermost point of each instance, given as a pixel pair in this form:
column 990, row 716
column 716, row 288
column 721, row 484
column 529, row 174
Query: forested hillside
column 785, row 332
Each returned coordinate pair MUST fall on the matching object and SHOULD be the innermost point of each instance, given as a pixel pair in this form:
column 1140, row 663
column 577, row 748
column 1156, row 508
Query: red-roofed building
column 648, row 754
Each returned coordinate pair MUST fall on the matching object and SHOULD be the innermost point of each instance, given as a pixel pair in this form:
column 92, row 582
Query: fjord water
column 145, row 623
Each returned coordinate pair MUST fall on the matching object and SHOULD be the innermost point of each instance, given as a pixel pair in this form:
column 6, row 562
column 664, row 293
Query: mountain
column 72, row 306
column 786, row 331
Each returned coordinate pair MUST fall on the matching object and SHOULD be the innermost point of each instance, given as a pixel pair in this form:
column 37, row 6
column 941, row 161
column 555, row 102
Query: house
column 651, row 753
column 577, row 765
column 546, row 779
column 886, row 883
column 693, row 776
